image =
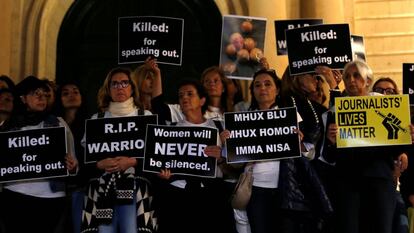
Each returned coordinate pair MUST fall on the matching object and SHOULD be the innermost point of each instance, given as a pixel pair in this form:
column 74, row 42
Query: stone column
column 331, row 11
column 272, row 10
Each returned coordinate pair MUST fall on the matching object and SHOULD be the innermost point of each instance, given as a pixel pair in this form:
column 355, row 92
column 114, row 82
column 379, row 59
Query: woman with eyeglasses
column 118, row 97
column 364, row 175
column 387, row 86
column 35, row 205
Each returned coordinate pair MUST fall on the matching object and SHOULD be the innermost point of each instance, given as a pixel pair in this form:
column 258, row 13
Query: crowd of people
column 325, row 190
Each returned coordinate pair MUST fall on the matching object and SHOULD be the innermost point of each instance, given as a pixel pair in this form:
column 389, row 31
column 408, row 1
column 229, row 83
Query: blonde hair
column 141, row 73
column 104, row 96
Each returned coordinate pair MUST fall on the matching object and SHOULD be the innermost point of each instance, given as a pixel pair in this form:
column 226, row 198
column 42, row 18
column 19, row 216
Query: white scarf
column 122, row 108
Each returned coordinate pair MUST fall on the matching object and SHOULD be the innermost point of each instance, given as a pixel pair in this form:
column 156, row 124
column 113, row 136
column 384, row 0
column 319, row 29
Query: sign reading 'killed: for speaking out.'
column 142, row 36
column 408, row 81
column 372, row 121
column 33, row 154
column 327, row 44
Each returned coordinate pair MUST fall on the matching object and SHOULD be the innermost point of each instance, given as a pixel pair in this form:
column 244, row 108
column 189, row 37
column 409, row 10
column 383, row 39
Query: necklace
column 311, row 106
column 313, row 110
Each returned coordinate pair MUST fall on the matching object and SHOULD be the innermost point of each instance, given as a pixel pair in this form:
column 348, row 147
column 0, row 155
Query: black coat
column 301, row 189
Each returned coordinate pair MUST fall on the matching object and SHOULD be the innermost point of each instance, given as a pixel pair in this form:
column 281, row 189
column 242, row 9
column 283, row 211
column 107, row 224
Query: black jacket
column 301, row 188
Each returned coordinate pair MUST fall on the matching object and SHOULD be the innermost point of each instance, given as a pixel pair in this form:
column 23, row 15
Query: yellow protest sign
column 372, row 121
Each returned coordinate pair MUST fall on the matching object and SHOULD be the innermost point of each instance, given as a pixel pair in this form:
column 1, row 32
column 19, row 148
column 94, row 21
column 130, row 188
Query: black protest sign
column 262, row 135
column 282, row 25
column 358, row 48
column 180, row 149
column 327, row 44
column 142, row 36
column 408, row 81
column 33, row 154
column 117, row 136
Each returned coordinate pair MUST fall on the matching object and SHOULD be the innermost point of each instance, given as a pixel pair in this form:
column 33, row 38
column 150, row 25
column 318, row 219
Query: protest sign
column 282, row 25
column 327, row 44
column 116, row 136
column 242, row 45
column 408, row 80
column 33, row 154
column 142, row 36
column 365, row 121
column 262, row 135
column 180, row 149
column 358, row 48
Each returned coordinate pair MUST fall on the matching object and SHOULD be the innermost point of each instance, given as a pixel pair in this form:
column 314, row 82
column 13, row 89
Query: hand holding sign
column 71, row 162
column 213, row 151
column 392, row 124
column 119, row 163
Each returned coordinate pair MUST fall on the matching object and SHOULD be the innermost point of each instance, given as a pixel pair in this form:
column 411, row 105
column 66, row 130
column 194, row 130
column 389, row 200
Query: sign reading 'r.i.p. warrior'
column 118, row 136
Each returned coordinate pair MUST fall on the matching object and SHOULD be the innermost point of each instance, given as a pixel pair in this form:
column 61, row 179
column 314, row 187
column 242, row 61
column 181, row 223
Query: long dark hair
column 272, row 73
column 59, row 110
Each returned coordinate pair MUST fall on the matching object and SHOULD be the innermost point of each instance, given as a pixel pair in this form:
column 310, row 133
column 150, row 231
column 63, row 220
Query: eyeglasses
column 387, row 91
column 38, row 94
column 120, row 84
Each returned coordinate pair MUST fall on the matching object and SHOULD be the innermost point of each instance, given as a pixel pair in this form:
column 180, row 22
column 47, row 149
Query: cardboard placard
column 180, row 149
column 365, row 121
column 142, row 36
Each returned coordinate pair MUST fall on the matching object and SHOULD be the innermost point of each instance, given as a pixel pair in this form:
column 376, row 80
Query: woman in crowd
column 263, row 209
column 235, row 99
column 143, row 76
column 6, row 104
column 50, row 93
column 307, row 93
column 118, row 97
column 387, row 86
column 6, row 83
column 69, row 106
column 365, row 186
column 35, row 205
column 278, row 185
column 187, row 202
column 214, row 85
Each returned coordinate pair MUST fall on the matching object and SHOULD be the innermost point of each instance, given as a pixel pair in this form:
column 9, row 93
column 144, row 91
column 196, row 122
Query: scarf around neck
column 122, row 108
